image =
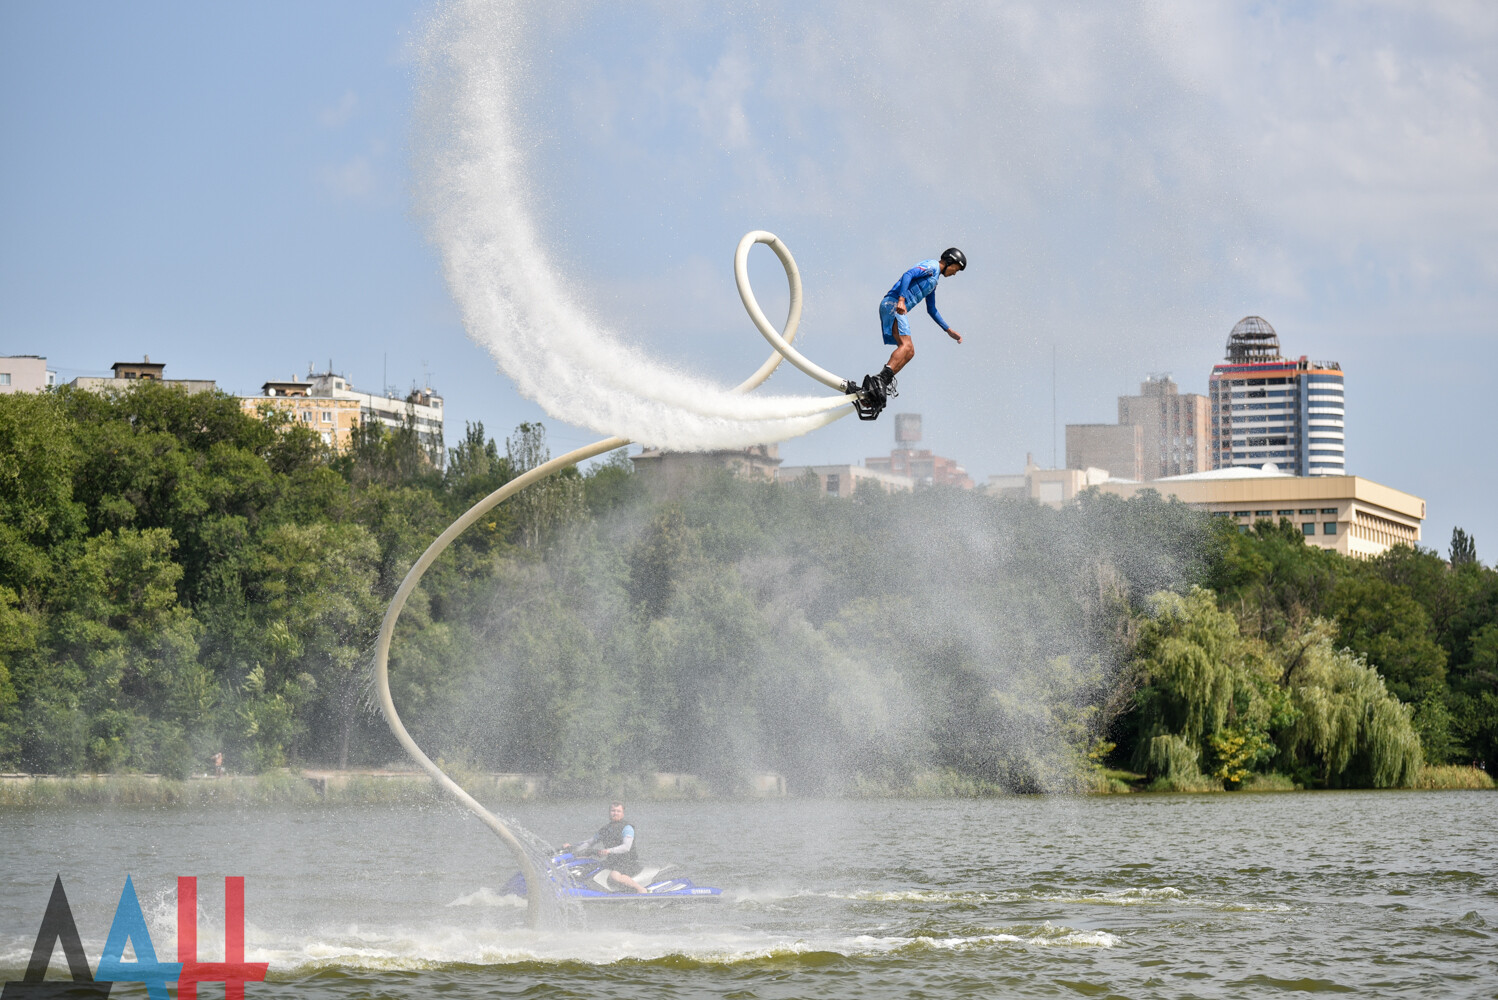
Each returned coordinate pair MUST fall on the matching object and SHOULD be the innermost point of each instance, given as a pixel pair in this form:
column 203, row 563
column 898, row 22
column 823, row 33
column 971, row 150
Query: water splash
column 474, row 192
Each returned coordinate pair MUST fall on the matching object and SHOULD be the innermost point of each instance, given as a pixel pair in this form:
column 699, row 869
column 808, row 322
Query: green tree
column 312, row 588
column 1201, row 682
column 128, row 648
column 1463, row 551
column 1348, row 730
column 545, row 507
column 40, row 519
column 1383, row 623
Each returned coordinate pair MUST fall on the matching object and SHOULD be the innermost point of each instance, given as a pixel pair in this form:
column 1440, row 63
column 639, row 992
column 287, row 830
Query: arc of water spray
column 780, row 341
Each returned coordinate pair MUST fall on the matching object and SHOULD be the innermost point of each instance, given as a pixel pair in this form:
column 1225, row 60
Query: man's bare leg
column 904, row 351
column 626, row 881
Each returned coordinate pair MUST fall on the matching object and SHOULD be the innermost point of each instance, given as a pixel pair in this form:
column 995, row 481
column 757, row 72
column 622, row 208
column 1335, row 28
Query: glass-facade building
column 1269, row 408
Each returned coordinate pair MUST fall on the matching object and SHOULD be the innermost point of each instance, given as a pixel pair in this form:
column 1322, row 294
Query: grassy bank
column 1453, row 776
column 335, row 788
column 271, row 788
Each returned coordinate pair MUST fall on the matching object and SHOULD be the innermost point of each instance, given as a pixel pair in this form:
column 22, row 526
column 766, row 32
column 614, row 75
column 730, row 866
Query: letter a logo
column 57, row 925
column 130, row 925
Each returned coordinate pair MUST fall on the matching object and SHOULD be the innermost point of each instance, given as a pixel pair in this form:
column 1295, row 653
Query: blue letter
column 130, row 925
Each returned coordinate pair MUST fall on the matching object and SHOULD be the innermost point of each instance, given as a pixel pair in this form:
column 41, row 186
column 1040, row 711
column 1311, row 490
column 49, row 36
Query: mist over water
column 473, row 190
column 855, row 645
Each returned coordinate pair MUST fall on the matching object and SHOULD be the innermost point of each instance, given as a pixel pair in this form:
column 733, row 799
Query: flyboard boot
column 874, row 394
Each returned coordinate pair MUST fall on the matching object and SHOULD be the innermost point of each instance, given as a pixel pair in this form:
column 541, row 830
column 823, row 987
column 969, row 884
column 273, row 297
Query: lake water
column 1382, row 893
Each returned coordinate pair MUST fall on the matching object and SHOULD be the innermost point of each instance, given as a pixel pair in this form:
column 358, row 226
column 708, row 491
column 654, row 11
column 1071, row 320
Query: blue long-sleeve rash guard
column 920, row 283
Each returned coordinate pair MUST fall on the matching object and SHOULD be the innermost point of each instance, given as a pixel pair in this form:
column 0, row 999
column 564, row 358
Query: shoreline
column 318, row 787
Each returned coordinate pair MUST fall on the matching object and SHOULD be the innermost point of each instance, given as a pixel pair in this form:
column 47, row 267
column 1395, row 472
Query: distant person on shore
column 915, row 285
column 614, row 843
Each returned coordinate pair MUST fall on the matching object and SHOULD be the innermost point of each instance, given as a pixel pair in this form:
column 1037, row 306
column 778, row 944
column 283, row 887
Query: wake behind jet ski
column 587, row 879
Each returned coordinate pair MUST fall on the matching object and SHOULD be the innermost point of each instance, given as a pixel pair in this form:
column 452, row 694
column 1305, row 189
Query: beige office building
column 333, row 420
column 1119, row 448
column 1160, row 432
column 127, row 373
column 25, row 373
column 1348, row 514
column 843, row 480
column 329, row 404
column 673, row 471
column 1174, row 427
column 1053, row 487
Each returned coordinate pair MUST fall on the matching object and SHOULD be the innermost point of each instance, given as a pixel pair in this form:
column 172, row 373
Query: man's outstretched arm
column 931, row 309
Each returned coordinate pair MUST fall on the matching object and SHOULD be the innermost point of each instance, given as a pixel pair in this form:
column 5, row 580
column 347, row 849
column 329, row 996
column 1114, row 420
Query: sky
column 229, row 188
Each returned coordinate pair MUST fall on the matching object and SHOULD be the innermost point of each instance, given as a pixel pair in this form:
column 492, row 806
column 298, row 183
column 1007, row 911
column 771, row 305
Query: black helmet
column 954, row 256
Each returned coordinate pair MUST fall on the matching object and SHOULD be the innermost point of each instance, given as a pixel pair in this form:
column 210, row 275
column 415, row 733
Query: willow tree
column 1348, row 729
column 1202, row 689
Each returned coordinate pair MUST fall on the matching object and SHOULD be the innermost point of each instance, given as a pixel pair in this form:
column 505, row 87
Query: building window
column 1329, row 528
column 1308, row 510
column 833, row 484
column 327, row 416
column 1328, row 510
column 1285, row 513
column 1309, row 528
column 306, row 416
column 1263, row 513
column 1242, row 529
column 4, row 378
column 1241, row 513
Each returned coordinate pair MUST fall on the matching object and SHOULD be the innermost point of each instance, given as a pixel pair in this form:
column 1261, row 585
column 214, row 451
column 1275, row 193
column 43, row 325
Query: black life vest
column 612, row 835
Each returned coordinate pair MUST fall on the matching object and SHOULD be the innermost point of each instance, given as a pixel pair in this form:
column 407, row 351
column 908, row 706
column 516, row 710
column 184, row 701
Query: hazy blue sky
column 226, row 187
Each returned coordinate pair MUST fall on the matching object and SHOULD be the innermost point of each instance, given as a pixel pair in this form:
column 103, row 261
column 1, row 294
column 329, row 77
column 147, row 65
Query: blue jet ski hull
column 585, row 880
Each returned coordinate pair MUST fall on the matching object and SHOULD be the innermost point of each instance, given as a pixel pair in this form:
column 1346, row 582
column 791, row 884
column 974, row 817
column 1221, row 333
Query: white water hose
column 780, row 340
column 782, row 345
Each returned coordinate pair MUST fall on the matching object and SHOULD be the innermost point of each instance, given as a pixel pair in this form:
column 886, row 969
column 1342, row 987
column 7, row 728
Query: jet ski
column 585, row 878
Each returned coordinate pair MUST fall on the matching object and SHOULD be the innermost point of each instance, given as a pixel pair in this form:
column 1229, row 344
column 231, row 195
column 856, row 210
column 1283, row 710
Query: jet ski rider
column 614, row 843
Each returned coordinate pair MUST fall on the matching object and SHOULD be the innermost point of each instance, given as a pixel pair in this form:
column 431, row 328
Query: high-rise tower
column 1173, row 424
column 1269, row 408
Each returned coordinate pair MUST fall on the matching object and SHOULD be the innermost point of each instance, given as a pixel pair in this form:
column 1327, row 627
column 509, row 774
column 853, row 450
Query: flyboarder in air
column 914, row 285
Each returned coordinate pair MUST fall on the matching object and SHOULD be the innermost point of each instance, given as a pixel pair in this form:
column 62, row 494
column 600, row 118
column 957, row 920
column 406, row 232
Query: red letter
column 233, row 971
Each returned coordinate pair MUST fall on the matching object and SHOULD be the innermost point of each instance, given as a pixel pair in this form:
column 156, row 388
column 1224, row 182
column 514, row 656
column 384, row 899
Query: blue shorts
column 891, row 321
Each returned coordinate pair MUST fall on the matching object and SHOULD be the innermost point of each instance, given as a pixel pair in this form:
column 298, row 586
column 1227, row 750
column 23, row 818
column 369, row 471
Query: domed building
column 1267, row 408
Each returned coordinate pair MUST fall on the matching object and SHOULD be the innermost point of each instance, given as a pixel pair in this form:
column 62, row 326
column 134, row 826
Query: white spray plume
column 472, row 187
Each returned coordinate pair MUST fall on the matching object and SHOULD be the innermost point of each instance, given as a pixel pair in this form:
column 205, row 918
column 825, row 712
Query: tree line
column 179, row 579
